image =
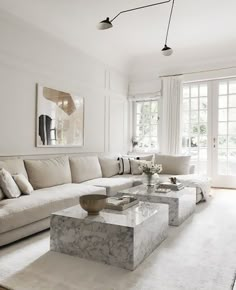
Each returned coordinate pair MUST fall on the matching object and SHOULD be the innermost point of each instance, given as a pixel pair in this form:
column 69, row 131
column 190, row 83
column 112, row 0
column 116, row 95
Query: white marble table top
column 142, row 190
column 130, row 217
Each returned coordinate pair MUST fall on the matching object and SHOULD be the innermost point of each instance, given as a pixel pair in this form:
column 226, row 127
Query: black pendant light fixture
column 166, row 50
column 107, row 23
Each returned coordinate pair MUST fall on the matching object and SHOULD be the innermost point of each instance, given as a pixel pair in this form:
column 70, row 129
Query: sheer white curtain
column 171, row 115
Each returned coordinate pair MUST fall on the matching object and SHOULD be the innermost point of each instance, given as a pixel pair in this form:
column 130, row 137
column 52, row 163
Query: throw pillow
column 124, row 164
column 110, row 166
column 134, row 164
column 8, row 185
column 146, row 157
column 23, row 184
column 2, row 196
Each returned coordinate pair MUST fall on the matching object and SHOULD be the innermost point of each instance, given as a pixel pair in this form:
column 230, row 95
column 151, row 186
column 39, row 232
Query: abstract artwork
column 60, row 118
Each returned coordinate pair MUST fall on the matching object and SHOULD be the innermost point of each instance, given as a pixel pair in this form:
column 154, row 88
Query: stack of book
column 171, row 186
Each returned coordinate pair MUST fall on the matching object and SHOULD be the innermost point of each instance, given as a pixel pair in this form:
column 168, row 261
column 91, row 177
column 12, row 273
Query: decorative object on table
column 173, row 180
column 171, row 186
column 60, row 118
column 93, row 203
column 150, row 172
column 121, row 203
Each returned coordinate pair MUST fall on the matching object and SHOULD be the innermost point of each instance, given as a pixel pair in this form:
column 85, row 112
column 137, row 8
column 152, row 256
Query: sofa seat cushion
column 112, row 185
column 15, row 213
column 136, row 179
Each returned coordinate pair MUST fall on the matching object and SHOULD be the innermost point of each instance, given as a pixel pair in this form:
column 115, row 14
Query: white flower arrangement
column 150, row 168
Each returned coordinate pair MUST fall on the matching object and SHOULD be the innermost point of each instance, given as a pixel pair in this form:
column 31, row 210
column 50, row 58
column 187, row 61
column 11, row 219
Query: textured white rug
column 199, row 255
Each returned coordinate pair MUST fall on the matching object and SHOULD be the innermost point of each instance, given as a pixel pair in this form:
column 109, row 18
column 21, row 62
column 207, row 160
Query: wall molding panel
column 50, row 62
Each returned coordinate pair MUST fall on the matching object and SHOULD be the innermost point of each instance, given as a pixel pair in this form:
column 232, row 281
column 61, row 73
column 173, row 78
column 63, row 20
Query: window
column 195, row 124
column 146, row 124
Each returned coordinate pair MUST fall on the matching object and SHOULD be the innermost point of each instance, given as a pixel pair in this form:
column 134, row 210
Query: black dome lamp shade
column 166, row 50
column 104, row 24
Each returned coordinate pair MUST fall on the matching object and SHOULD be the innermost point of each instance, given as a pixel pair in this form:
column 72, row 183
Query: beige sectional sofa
column 58, row 183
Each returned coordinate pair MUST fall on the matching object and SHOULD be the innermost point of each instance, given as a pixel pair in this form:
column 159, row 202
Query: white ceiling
column 202, row 31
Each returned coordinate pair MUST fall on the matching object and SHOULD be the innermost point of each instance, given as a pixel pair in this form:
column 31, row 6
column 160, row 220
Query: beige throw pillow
column 135, row 170
column 23, row 184
column 134, row 164
column 8, row 185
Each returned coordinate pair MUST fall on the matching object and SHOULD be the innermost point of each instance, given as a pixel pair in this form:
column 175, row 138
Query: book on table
column 172, row 186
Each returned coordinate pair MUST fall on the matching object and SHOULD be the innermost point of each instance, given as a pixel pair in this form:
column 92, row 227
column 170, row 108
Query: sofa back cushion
column 14, row 166
column 85, row 168
column 48, row 172
column 109, row 165
column 174, row 165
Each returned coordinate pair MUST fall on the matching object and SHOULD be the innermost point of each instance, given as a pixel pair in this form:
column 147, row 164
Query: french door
column 224, row 133
column 209, row 129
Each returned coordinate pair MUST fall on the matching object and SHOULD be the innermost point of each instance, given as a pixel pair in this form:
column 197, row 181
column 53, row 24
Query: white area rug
column 199, row 255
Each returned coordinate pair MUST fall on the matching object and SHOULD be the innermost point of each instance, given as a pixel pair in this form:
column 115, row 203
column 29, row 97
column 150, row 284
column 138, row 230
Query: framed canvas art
column 60, row 118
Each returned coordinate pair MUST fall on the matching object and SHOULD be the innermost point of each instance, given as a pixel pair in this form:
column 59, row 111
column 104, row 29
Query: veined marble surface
column 122, row 239
column 182, row 203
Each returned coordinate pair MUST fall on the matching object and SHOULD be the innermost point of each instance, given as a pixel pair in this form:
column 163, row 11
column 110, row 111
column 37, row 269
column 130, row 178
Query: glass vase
column 150, row 180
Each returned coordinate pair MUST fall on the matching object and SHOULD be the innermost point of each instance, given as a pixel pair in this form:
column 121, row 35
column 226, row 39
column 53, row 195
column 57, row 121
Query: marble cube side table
column 123, row 239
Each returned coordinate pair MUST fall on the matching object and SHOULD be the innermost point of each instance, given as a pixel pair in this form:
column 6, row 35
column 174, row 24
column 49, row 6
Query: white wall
column 29, row 56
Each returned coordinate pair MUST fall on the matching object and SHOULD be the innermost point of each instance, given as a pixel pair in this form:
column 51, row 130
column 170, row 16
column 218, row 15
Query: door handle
column 214, row 142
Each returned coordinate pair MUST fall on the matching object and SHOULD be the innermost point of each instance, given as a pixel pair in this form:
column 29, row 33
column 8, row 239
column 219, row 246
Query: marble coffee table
column 122, row 239
column 181, row 203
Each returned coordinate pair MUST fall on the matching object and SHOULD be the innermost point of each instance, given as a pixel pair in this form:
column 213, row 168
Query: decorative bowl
column 93, row 203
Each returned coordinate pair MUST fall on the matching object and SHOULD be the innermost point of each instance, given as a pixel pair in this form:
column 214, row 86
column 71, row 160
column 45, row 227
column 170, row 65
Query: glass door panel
column 224, row 124
column 195, row 124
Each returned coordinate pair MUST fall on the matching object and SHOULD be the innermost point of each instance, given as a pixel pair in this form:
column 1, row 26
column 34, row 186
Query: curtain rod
column 195, row 72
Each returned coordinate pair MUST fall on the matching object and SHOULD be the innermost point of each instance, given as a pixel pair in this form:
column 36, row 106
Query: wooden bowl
column 93, row 203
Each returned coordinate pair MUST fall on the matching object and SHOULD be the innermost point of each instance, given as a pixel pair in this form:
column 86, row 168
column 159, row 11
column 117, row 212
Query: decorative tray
column 120, row 203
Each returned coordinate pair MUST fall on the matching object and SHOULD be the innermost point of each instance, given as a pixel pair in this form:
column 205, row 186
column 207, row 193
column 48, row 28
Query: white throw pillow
column 23, row 184
column 2, row 196
column 134, row 164
column 124, row 165
column 110, row 166
column 8, row 185
column 146, row 157
column 174, row 165
column 48, row 172
column 85, row 168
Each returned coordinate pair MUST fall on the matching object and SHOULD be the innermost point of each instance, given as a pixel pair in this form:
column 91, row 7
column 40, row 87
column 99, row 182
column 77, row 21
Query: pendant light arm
column 141, row 7
column 171, row 11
